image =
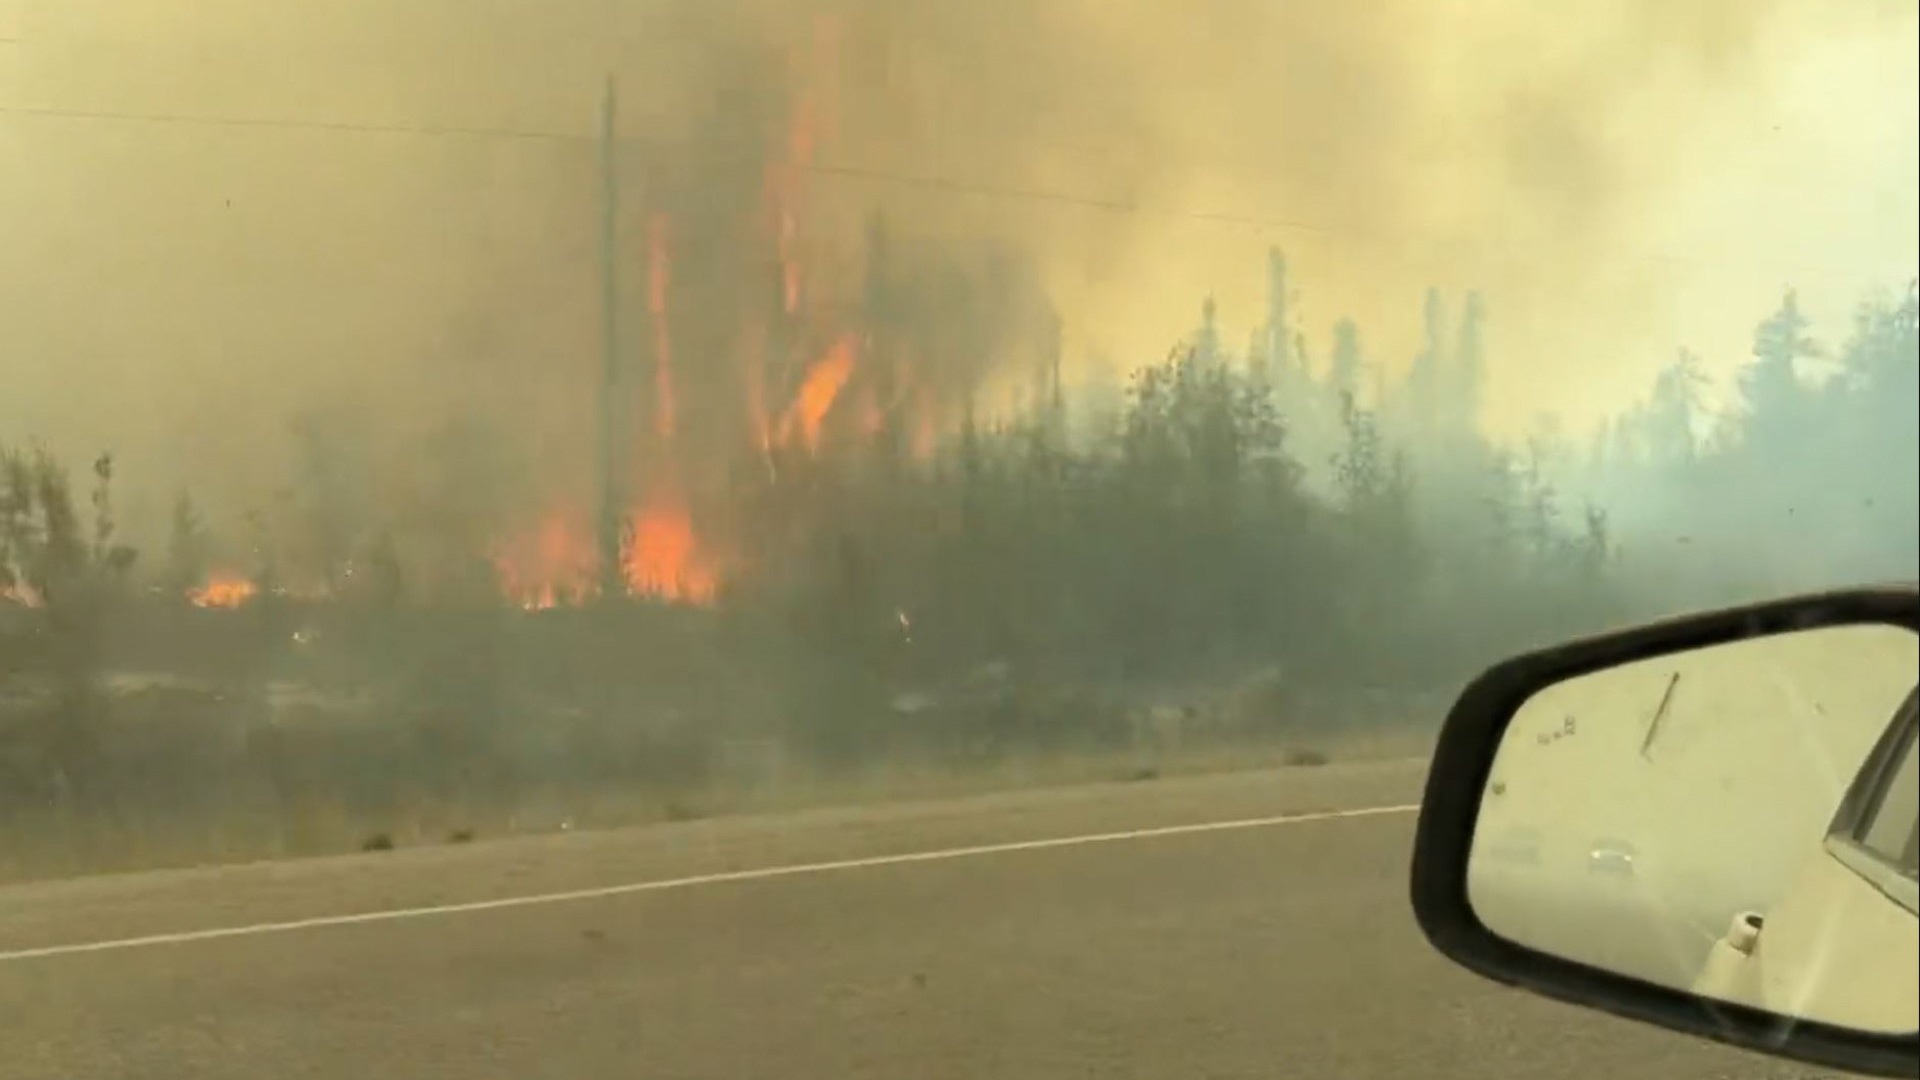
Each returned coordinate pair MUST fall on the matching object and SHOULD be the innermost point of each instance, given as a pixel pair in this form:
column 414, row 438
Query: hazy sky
column 1620, row 178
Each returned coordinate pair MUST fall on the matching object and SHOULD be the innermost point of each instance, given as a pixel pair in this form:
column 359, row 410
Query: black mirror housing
column 1462, row 765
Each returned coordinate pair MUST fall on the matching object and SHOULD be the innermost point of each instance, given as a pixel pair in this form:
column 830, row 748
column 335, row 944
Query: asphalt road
column 1267, row 950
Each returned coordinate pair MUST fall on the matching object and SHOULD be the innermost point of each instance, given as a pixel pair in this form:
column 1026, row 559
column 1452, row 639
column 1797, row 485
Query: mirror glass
column 1737, row 821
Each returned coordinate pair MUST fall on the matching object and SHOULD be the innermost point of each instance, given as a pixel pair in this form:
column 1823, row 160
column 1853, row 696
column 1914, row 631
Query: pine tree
column 1674, row 411
column 1465, row 380
column 1774, row 397
column 1425, row 398
column 1346, row 366
column 1206, row 342
column 1279, row 325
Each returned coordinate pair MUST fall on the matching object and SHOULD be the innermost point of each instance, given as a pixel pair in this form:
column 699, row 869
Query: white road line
column 664, row 885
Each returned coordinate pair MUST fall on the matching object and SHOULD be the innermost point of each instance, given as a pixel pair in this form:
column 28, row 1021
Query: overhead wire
column 948, row 185
column 842, row 171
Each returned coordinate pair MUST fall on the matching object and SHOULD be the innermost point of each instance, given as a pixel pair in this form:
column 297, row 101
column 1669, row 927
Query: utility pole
column 612, row 502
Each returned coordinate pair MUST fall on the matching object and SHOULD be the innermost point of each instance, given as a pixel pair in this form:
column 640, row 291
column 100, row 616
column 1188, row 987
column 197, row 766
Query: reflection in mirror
column 1737, row 821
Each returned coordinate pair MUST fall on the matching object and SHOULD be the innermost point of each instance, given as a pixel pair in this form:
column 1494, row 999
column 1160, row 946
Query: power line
column 847, row 172
column 1118, row 206
column 272, row 123
column 931, row 183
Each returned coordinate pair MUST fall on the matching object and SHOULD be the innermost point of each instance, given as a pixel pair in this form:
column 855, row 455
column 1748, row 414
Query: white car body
column 1840, row 945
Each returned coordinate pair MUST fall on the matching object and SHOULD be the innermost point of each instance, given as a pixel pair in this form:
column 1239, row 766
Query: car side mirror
column 1707, row 824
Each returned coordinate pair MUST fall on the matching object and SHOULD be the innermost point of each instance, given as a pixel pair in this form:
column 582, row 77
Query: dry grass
column 43, row 845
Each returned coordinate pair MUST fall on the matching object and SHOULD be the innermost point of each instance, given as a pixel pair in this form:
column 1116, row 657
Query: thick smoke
column 181, row 291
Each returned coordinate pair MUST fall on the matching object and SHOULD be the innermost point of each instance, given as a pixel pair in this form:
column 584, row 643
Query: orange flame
column 789, row 264
column 550, row 568
column 783, row 195
column 22, row 594
column 223, row 590
column 665, row 556
column 818, row 392
column 664, row 560
column 785, row 175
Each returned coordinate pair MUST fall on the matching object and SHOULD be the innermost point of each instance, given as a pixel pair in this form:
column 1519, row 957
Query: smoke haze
column 1618, row 180
column 1606, row 310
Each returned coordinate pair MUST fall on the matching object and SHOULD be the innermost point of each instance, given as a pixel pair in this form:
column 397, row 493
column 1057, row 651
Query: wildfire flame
column 223, row 590
column 555, row 559
column 811, row 71
column 553, row 567
column 664, row 559
column 664, row 555
column 818, row 392
column 661, row 559
column 785, row 184
column 23, row 594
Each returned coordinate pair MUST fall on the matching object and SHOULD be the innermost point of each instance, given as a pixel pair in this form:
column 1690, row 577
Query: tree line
column 1233, row 509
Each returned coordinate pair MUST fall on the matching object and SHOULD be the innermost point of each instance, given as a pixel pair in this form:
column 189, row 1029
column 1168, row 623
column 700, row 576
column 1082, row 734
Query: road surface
column 1093, row 932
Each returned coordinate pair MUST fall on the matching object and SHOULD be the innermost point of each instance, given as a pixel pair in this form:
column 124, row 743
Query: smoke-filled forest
column 1267, row 545
column 395, row 459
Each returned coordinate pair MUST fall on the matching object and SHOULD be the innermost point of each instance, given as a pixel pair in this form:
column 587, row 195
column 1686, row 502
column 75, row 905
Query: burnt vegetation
column 1260, row 548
